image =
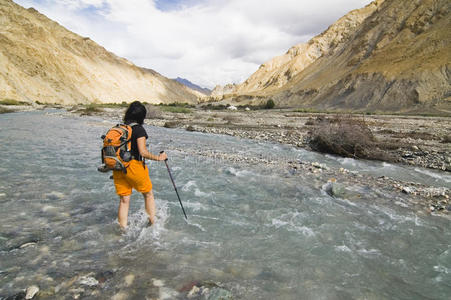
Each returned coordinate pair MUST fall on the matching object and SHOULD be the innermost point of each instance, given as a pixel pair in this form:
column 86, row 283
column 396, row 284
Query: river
column 254, row 231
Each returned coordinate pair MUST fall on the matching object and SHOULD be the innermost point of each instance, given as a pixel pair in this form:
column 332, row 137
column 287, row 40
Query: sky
column 208, row 42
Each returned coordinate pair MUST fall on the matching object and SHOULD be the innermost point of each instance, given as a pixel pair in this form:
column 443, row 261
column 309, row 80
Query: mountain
column 193, row 86
column 391, row 56
column 42, row 61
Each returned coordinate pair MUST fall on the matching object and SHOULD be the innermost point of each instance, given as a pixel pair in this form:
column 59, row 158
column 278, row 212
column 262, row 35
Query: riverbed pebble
column 26, row 245
column 120, row 296
column 407, row 190
column 157, row 282
column 129, row 279
column 88, row 280
column 194, row 292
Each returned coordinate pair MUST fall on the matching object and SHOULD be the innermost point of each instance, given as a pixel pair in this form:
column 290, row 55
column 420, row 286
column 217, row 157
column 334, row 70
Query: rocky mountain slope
column 391, row 55
column 42, row 61
column 193, row 86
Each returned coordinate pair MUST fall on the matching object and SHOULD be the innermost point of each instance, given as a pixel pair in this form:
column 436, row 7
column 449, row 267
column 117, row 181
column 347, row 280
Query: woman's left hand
column 162, row 156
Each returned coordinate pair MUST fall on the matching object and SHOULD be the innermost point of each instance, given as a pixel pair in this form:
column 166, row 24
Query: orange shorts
column 137, row 177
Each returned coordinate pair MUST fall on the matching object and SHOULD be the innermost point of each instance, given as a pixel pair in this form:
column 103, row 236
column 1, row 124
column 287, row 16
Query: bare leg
column 149, row 204
column 122, row 214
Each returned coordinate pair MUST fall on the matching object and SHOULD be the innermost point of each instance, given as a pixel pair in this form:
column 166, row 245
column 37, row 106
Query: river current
column 256, row 231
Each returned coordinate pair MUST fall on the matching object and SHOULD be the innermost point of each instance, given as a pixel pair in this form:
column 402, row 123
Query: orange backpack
column 116, row 153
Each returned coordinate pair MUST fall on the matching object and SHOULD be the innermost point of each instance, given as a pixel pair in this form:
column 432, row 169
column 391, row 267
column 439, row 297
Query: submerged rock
column 104, row 276
column 334, row 189
column 129, row 279
column 157, row 282
column 88, row 280
column 407, row 190
column 209, row 291
column 120, row 296
column 18, row 296
column 194, row 292
column 31, row 291
column 28, row 244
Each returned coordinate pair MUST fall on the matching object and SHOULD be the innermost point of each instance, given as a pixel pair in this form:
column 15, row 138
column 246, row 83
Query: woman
column 137, row 176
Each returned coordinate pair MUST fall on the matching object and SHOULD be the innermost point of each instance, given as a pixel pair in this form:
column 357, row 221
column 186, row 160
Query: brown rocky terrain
column 420, row 141
column 390, row 56
column 42, row 61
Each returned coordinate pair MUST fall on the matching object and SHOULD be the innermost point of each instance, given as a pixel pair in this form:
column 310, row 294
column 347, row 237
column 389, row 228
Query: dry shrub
column 89, row 110
column 417, row 135
column 310, row 122
column 386, row 131
column 153, row 112
column 446, row 139
column 172, row 124
column 231, row 119
column 345, row 136
column 190, row 128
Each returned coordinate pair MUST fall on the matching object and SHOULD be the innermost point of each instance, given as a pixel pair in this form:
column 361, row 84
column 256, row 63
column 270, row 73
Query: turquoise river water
column 254, row 230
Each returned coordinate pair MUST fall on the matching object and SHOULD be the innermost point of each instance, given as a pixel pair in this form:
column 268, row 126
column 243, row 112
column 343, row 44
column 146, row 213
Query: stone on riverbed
column 31, row 291
column 88, row 280
column 18, row 296
column 157, row 282
column 407, row 190
column 120, row 296
column 28, row 244
column 334, row 189
column 129, row 279
column 104, row 276
column 338, row 190
column 209, row 291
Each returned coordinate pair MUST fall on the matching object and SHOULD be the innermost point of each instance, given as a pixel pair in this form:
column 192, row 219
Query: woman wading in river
column 137, row 176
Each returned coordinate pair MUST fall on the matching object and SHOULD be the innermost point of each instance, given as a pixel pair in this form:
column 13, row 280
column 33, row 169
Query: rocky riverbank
column 414, row 140
column 420, row 141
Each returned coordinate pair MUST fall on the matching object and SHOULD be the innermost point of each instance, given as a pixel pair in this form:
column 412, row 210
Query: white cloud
column 208, row 42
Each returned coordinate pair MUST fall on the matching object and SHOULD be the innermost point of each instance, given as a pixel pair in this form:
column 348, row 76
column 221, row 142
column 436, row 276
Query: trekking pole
column 173, row 183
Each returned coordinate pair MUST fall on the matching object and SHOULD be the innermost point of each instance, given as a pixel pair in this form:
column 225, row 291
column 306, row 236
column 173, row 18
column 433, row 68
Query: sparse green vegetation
column 176, row 104
column 12, row 102
column 89, row 110
column 107, row 105
column 4, row 110
column 111, row 105
column 176, row 109
column 312, row 111
column 270, row 104
column 211, row 106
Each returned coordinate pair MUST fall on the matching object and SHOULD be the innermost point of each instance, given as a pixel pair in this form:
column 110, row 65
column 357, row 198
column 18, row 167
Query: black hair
column 136, row 112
